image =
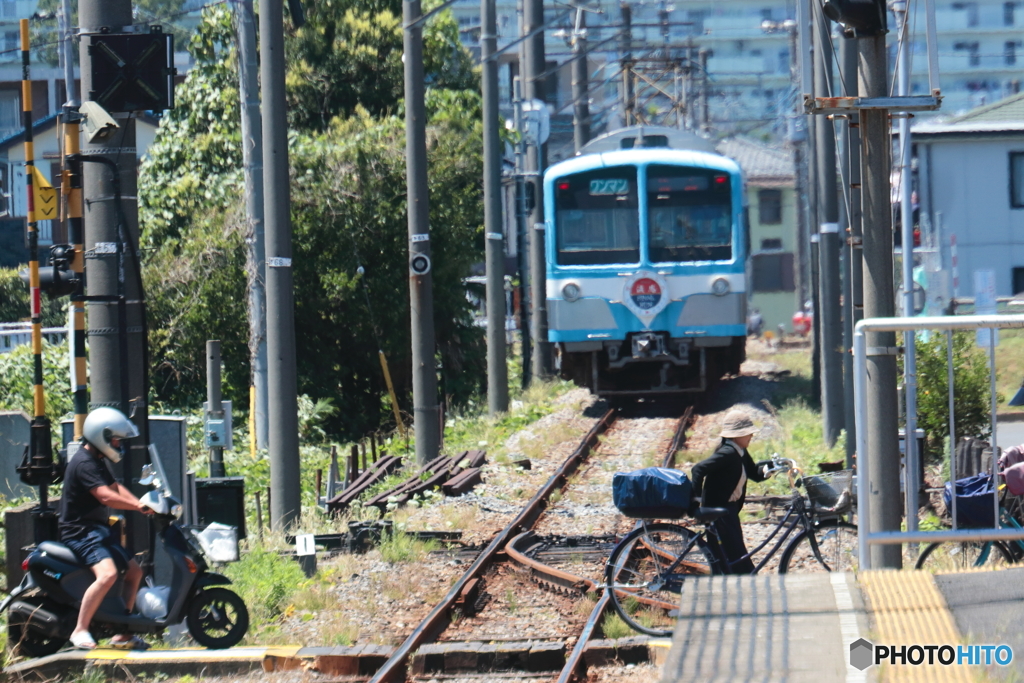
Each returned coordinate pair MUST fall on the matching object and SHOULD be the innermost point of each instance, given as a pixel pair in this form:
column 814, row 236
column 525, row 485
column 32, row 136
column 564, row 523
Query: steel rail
column 575, row 667
column 394, row 669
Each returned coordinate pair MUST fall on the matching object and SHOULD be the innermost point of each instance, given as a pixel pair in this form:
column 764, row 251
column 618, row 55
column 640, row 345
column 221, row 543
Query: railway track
column 529, row 603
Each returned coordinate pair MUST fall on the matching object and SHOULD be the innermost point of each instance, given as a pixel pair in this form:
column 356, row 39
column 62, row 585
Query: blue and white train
column 647, row 246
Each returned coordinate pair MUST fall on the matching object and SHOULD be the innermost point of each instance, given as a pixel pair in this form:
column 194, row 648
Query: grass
column 613, row 627
column 400, row 547
column 1009, row 367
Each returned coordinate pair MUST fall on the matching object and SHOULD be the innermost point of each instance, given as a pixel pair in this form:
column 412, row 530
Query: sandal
column 133, row 643
column 83, row 641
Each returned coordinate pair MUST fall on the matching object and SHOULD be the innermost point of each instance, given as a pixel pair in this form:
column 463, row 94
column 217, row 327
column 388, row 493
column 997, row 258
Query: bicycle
column 647, row 569
column 956, row 556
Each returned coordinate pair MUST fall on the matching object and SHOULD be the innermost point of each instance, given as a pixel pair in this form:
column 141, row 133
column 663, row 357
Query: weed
column 614, row 627
column 555, row 496
column 401, row 547
column 266, row 581
column 511, row 601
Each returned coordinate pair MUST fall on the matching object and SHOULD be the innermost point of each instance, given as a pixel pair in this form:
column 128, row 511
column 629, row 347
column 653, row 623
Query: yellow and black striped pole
column 71, row 189
column 37, row 470
column 35, row 295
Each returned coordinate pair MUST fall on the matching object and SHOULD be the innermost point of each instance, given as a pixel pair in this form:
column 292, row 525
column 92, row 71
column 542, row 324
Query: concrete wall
column 968, row 181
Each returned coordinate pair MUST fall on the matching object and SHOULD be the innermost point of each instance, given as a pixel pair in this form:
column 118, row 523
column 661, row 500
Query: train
column 646, row 246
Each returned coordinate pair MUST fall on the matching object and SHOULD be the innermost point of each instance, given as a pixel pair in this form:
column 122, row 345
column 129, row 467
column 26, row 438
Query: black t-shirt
column 79, row 509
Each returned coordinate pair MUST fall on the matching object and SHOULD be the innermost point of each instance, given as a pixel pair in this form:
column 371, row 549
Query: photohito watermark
column 864, row 654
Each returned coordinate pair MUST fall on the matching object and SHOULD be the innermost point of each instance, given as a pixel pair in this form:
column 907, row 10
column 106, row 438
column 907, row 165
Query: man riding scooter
column 89, row 489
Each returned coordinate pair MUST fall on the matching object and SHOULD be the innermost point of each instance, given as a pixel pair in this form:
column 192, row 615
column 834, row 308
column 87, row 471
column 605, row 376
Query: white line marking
column 848, row 628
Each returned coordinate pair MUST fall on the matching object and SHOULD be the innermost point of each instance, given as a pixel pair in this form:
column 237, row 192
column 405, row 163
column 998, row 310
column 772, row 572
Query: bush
column 971, row 391
column 266, row 581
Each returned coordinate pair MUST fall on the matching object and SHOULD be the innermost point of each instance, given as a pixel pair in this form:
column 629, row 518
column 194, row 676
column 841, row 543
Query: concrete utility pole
column 522, row 245
column 580, row 83
column 497, row 369
column 705, row 82
column 106, row 249
column 252, row 160
column 829, row 285
column 911, row 473
column 213, row 403
column 536, row 162
column 282, row 384
column 879, row 302
column 853, row 292
column 421, row 295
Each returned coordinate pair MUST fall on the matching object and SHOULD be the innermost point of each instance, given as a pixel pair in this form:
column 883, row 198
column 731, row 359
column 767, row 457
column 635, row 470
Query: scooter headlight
column 176, row 510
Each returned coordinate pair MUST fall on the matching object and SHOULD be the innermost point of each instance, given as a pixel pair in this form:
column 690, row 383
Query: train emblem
column 645, row 294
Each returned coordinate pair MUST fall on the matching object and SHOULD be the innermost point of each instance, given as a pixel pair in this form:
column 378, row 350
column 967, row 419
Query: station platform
column 798, row 628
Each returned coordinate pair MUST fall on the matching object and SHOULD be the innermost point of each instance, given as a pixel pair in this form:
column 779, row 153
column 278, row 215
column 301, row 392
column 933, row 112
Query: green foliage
column 265, row 580
column 14, row 301
column 614, row 627
column 970, row 387
column 348, row 211
column 399, row 547
column 16, row 370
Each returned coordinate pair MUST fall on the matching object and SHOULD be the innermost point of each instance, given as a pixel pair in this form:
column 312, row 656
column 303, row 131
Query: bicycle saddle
column 708, row 515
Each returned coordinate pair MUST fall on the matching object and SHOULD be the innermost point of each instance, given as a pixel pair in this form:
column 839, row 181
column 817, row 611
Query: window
column 972, row 11
column 1018, row 280
column 973, row 58
column 1008, row 13
column 769, row 207
column 766, row 14
column 773, row 244
column 773, row 272
column 597, row 217
column 1017, row 180
column 689, row 214
column 1010, row 52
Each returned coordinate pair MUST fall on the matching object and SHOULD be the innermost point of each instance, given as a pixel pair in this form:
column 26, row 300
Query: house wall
column 968, row 181
column 776, row 308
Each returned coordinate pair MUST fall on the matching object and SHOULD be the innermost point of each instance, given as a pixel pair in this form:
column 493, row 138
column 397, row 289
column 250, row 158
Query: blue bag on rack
column 652, row 493
column 973, row 502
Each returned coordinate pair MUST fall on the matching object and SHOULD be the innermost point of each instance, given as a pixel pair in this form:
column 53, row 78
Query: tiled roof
column 761, row 163
column 1006, row 115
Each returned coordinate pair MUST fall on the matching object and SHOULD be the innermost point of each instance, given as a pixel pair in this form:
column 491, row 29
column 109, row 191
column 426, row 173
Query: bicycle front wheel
column 837, row 549
column 646, row 571
column 952, row 557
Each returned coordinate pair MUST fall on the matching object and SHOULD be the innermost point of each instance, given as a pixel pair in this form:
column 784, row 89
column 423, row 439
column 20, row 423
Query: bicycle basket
column 973, row 502
column 826, row 490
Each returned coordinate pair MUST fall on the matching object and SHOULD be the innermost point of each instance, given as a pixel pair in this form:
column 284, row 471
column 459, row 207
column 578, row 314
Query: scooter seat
column 59, row 551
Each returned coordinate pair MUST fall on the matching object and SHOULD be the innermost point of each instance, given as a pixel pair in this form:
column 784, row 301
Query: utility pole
column 853, row 292
column 879, row 302
column 497, row 369
column 536, row 161
column 282, row 383
column 626, row 63
column 522, row 245
column 705, row 114
column 111, row 321
column 830, row 328
column 252, row 160
column 214, row 407
column 911, row 472
column 421, row 295
column 580, row 83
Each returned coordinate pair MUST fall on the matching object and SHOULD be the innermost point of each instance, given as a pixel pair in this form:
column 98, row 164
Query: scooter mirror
column 148, row 474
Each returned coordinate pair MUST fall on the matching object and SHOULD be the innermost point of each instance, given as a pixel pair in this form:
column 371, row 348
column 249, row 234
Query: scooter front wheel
column 217, row 618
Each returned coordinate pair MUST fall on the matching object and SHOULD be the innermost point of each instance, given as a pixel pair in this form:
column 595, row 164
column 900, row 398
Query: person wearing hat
column 721, row 482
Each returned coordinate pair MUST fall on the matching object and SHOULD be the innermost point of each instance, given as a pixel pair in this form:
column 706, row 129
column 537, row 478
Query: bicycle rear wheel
column 951, row 557
column 644, row 578
column 837, row 549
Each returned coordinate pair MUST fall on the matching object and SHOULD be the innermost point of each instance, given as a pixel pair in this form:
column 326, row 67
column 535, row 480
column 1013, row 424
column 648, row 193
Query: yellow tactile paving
column 908, row 609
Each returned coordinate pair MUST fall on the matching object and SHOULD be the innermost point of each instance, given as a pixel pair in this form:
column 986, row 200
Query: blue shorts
column 97, row 545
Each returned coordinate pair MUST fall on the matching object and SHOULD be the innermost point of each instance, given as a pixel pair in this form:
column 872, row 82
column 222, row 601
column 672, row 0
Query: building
column 980, row 53
column 770, row 175
column 970, row 182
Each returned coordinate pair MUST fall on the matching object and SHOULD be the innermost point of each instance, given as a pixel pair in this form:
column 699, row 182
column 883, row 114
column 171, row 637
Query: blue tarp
column 652, row 493
column 973, row 502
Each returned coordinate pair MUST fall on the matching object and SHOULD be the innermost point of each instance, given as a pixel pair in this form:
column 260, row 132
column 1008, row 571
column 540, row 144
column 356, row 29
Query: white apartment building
column 980, row 51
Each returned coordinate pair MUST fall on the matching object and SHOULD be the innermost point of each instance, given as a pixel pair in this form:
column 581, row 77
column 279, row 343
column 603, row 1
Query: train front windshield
column 597, row 217
column 689, row 214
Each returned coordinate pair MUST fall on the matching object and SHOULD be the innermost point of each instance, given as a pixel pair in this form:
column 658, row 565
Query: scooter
column 43, row 609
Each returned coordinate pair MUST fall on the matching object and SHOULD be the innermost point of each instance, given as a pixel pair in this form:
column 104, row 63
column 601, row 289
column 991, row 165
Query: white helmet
column 104, row 424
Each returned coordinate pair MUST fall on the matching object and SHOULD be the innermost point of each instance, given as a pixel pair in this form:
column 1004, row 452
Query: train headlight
column 571, row 292
column 720, row 287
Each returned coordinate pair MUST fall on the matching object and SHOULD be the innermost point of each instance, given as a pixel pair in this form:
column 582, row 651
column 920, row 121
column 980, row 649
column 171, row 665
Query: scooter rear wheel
column 28, row 643
column 217, row 618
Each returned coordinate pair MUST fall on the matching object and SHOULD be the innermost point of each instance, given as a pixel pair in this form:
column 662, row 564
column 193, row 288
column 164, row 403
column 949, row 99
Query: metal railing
column 13, row 335
column 866, row 535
